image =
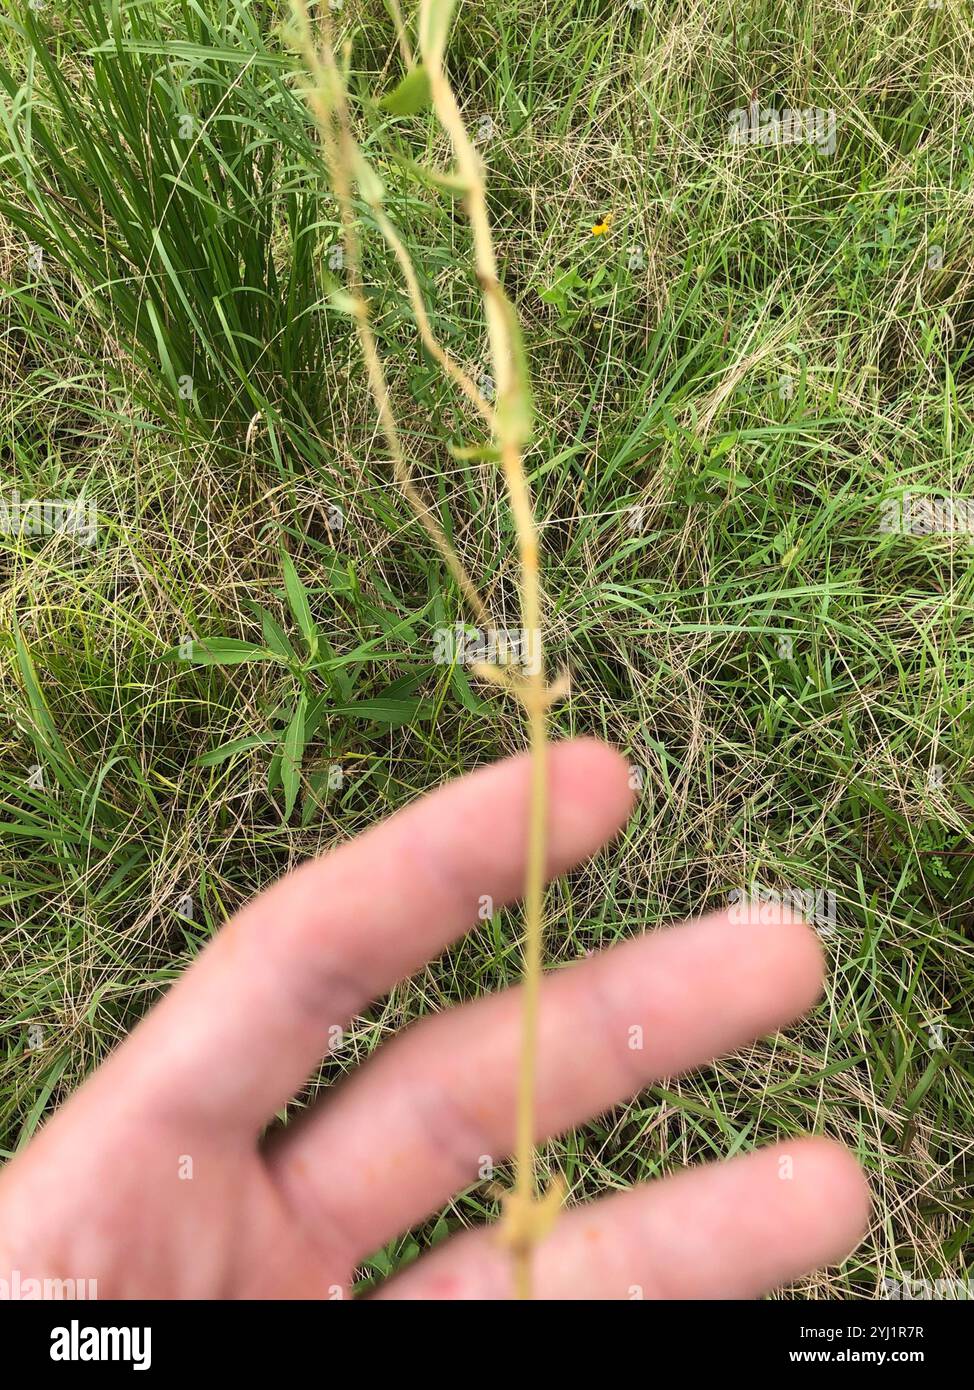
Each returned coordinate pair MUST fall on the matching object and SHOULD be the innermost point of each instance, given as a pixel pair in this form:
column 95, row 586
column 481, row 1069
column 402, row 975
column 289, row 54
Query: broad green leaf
column 274, row 636
column 381, row 711
column 391, row 711
column 291, row 755
column 219, row 651
column 274, row 773
column 468, row 698
column 236, row 745
column 297, row 597
column 411, row 96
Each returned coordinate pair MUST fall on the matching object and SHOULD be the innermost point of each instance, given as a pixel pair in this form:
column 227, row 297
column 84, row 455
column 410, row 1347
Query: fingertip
column 591, row 775
column 831, row 1171
column 803, row 960
column 795, row 1206
column 786, row 951
column 757, row 974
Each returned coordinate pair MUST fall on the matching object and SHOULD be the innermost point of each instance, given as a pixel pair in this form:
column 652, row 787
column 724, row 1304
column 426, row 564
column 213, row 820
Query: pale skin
column 98, row 1193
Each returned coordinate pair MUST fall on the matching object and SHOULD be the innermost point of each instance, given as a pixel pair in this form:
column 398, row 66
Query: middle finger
column 435, row 1109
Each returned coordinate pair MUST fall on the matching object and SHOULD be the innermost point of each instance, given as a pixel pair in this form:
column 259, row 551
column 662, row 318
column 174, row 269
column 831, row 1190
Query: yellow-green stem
column 523, row 1221
column 522, row 1218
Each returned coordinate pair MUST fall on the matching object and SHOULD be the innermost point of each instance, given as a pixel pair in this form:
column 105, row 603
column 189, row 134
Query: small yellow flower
column 602, row 227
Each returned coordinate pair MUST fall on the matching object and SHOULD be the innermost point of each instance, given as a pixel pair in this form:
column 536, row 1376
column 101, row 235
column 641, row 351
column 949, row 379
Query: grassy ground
column 767, row 342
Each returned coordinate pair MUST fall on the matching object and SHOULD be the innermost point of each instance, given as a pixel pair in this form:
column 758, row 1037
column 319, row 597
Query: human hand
column 104, row 1191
